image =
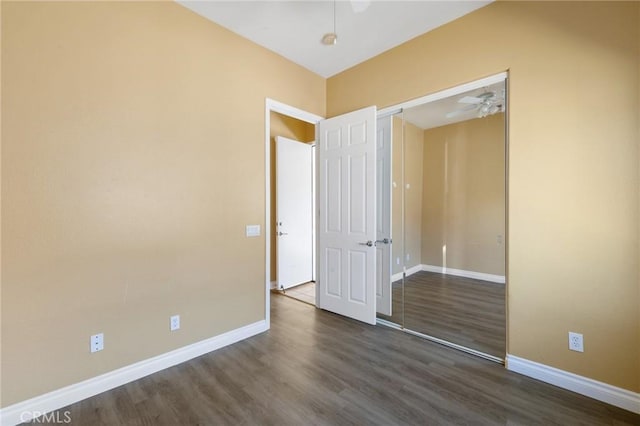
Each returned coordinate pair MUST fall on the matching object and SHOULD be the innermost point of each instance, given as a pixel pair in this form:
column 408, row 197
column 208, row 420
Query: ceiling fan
column 487, row 103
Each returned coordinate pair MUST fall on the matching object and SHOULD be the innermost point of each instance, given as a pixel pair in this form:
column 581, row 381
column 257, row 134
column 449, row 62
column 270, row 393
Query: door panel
column 294, row 198
column 333, row 200
column 347, row 215
column 357, row 195
column 333, row 272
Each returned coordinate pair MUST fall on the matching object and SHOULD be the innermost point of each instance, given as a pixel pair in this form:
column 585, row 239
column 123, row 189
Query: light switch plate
column 253, row 230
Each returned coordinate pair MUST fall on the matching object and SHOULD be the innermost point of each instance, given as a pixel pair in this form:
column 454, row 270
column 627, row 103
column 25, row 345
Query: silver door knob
column 282, row 233
column 368, row 243
column 384, row 241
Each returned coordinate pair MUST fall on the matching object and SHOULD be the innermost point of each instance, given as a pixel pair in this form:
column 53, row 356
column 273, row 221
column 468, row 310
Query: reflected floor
column 464, row 311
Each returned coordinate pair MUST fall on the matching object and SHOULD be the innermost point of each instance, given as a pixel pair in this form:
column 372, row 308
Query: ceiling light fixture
column 330, row 39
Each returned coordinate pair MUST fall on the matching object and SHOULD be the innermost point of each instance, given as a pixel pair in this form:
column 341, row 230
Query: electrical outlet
column 575, row 342
column 97, row 342
column 174, row 322
column 408, row 257
column 397, row 260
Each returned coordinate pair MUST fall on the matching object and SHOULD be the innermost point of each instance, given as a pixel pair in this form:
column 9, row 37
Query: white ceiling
column 294, row 28
column 434, row 114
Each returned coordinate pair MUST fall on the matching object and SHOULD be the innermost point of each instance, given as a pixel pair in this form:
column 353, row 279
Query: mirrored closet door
column 448, row 220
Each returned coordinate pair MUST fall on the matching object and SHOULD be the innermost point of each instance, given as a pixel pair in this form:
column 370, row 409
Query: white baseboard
column 26, row 410
column 410, row 271
column 413, row 270
column 619, row 397
column 500, row 279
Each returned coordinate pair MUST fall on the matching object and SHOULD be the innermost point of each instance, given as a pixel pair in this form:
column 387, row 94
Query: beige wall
column 463, row 201
column 397, row 196
column 407, row 140
column 413, row 180
column 288, row 127
column 573, row 165
column 132, row 159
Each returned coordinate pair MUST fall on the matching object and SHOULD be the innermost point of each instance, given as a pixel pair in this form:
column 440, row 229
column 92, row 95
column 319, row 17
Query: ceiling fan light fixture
column 330, row 39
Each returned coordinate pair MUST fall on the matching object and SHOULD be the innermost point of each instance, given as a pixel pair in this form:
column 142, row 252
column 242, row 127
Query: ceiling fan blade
column 360, row 5
column 471, row 100
column 460, row 111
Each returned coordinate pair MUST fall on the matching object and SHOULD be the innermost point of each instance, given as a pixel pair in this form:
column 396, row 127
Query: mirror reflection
column 448, row 220
column 390, row 304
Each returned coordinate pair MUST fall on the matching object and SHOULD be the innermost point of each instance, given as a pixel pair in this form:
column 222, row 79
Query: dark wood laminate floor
column 464, row 311
column 317, row 368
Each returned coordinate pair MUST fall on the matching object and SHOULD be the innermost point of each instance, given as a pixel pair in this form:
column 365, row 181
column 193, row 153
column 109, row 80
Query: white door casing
column 294, row 212
column 347, row 215
column 383, row 215
column 314, row 214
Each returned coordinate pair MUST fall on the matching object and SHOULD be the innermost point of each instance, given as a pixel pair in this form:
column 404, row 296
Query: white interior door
column 383, row 216
column 294, row 212
column 347, row 216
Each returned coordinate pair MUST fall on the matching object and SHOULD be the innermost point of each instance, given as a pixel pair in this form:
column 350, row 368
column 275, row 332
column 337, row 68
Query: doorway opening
column 289, row 202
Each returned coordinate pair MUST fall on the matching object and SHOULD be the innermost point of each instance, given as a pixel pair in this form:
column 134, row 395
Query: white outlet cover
column 174, row 323
column 576, row 342
column 97, row 342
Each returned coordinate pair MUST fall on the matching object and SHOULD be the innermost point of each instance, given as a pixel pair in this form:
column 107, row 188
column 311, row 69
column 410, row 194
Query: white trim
column 297, row 113
column 410, row 271
column 291, row 111
column 22, row 411
column 500, row 279
column 487, row 81
column 604, row 392
column 413, row 270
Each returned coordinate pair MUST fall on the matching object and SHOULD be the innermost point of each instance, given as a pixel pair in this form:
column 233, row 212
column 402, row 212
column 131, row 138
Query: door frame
column 299, row 114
